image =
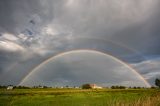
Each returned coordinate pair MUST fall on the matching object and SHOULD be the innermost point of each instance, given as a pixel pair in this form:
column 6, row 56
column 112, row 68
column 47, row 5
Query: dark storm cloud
column 14, row 67
column 144, row 35
column 16, row 13
column 126, row 22
column 78, row 68
column 30, row 30
column 149, row 69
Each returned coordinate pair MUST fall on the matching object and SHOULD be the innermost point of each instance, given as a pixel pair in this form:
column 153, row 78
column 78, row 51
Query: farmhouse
column 10, row 87
column 94, row 86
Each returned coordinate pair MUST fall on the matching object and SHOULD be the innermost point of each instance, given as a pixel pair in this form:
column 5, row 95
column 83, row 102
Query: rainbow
column 79, row 51
column 118, row 44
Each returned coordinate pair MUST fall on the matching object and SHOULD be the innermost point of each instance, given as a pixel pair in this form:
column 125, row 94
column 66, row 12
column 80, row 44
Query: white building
column 9, row 87
column 94, row 86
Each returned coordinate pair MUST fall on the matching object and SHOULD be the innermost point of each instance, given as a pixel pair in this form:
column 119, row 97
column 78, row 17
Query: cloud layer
column 32, row 31
column 79, row 67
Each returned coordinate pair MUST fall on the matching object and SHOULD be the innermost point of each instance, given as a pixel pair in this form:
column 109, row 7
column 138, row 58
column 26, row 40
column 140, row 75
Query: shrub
column 86, row 86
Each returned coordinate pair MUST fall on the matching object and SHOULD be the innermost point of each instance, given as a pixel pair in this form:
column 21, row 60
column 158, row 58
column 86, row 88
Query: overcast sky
column 77, row 67
column 33, row 31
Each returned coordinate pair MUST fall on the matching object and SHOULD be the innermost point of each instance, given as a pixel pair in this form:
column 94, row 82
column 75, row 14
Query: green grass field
column 79, row 97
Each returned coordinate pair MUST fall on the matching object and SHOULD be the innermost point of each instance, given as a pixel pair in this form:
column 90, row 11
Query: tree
column 86, row 86
column 157, row 82
column 118, row 87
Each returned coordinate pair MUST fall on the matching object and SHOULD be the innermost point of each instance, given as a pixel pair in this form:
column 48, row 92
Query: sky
column 83, row 66
column 33, row 31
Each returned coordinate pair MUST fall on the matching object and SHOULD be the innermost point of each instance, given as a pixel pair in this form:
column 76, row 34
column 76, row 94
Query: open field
column 79, row 97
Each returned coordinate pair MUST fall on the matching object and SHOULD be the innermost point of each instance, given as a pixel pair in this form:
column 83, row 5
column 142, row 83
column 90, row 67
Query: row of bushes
column 84, row 86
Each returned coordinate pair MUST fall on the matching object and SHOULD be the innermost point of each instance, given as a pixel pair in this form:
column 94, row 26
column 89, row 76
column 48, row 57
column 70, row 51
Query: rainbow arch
column 83, row 50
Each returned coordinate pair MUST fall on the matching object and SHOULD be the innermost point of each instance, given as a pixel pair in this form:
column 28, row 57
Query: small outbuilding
column 10, row 87
column 94, row 86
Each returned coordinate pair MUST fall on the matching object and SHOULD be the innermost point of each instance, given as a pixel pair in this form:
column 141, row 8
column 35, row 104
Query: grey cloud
column 15, row 68
column 128, row 29
column 78, row 68
column 149, row 69
column 126, row 22
column 15, row 13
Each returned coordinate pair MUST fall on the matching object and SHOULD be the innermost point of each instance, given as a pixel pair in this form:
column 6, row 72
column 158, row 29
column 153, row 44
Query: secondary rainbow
column 118, row 44
column 79, row 51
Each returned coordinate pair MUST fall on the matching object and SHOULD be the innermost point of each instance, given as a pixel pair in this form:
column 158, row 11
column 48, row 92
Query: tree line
column 84, row 86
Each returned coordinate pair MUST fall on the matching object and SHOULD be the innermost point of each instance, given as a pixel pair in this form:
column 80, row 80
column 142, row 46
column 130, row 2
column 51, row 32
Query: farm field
column 80, row 97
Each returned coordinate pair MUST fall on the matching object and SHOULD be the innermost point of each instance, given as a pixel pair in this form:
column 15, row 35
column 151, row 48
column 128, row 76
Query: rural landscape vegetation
column 84, row 95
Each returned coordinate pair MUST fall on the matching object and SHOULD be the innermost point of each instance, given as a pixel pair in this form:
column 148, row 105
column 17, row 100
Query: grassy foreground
column 78, row 97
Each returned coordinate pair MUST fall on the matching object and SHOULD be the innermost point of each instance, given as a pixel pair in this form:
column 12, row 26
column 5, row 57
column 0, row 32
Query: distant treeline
column 118, row 87
column 39, row 86
column 1, row 86
column 18, row 87
column 123, row 87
